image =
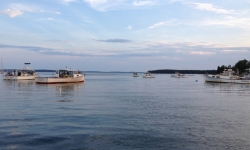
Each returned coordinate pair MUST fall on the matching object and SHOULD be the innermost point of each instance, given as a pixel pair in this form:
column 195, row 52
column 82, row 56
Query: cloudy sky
column 124, row 35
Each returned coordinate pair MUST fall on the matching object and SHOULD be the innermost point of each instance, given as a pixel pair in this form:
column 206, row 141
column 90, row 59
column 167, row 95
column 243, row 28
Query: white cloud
column 47, row 11
column 68, row 1
column 170, row 22
column 142, row 3
column 229, row 21
column 23, row 7
column 195, row 52
column 11, row 12
column 209, row 7
column 56, row 12
column 201, row 53
column 235, row 51
column 129, row 27
column 105, row 5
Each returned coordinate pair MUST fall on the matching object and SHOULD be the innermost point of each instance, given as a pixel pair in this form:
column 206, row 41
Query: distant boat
column 2, row 71
column 227, row 77
column 178, row 75
column 135, row 74
column 24, row 73
column 147, row 75
column 62, row 76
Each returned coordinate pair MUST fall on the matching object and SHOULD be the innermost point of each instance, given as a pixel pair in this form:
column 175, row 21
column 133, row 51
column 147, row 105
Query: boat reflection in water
column 64, row 90
column 19, row 83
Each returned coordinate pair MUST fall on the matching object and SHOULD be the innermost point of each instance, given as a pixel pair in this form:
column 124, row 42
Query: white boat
column 178, row 75
column 135, row 74
column 147, row 75
column 62, row 76
column 227, row 77
column 25, row 73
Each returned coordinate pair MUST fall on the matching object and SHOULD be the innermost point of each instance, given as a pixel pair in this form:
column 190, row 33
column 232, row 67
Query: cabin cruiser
column 25, row 73
column 135, row 74
column 62, row 76
column 226, row 77
column 178, row 75
column 147, row 75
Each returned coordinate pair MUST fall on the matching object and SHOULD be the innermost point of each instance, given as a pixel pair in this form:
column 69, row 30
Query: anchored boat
column 178, row 75
column 135, row 74
column 62, row 76
column 25, row 73
column 227, row 77
column 148, row 75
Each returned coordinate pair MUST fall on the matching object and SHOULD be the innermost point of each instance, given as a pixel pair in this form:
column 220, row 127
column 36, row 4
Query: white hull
column 178, row 76
column 54, row 80
column 19, row 77
column 148, row 77
column 221, row 80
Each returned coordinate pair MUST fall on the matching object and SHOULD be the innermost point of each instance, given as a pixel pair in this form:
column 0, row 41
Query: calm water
column 117, row 111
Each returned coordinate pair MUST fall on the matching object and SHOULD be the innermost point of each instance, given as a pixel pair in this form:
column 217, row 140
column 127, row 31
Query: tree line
column 239, row 68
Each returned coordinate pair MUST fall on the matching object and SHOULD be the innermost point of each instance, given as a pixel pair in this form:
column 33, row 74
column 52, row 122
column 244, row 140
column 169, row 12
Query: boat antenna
column 2, row 71
column 27, row 65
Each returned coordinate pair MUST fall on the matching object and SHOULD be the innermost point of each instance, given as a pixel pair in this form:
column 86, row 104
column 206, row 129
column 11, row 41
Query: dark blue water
column 117, row 111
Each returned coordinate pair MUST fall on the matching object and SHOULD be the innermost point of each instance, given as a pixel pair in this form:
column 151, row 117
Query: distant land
column 46, row 70
column 172, row 71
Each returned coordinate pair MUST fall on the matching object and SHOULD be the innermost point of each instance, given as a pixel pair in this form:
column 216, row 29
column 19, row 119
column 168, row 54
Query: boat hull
column 54, row 80
column 19, row 77
column 221, row 80
column 181, row 76
column 148, row 77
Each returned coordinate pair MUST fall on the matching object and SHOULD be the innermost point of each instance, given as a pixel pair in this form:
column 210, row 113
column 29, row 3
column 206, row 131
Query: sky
column 124, row 35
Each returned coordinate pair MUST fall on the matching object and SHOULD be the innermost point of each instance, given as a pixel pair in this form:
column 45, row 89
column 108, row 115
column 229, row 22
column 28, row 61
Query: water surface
column 118, row 111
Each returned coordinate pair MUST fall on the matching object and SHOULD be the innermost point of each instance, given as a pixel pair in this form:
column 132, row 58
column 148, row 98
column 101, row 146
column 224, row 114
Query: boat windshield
column 65, row 73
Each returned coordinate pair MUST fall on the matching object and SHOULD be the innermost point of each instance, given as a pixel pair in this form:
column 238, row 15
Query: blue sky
column 124, row 35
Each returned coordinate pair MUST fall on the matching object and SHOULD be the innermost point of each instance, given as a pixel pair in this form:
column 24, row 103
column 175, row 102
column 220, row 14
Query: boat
column 227, row 77
column 135, row 74
column 62, row 76
column 147, row 75
column 25, row 73
column 178, row 75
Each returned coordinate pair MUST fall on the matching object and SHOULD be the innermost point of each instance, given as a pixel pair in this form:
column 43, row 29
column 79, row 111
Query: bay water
column 117, row 111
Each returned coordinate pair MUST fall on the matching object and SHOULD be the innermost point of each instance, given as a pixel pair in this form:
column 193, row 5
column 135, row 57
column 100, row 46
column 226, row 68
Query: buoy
column 196, row 80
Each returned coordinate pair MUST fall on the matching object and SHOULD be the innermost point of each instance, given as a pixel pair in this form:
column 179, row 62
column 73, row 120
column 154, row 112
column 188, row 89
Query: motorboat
column 25, row 73
column 135, row 74
column 227, row 77
column 147, row 75
column 178, row 75
column 62, row 76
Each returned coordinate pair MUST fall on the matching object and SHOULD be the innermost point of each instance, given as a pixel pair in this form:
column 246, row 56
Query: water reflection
column 63, row 90
column 230, row 88
column 24, row 85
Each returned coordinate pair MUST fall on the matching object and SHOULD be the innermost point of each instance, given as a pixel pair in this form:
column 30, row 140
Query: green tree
column 241, row 66
column 218, row 70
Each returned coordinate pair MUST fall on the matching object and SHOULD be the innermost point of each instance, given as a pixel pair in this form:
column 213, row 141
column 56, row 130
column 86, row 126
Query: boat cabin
column 228, row 72
column 25, row 72
column 67, row 73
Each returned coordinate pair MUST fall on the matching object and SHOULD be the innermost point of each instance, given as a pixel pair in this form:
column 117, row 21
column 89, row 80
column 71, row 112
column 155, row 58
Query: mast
column 2, row 71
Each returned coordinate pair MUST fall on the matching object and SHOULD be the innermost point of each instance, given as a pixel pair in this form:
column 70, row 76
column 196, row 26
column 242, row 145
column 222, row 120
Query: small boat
column 227, row 77
column 147, row 75
column 178, row 75
column 135, row 74
column 25, row 73
column 62, row 76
